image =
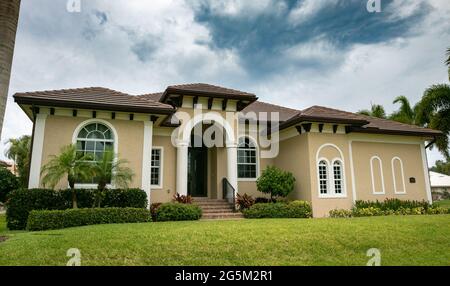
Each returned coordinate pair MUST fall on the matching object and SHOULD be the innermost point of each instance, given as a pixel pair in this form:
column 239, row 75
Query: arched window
column 94, row 139
column 398, row 176
column 323, row 177
column 247, row 159
column 337, row 177
column 376, row 170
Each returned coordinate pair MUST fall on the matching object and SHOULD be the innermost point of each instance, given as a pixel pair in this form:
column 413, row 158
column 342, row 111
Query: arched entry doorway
column 185, row 161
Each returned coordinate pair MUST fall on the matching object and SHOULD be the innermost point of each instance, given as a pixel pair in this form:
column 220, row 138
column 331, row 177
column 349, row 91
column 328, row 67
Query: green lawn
column 443, row 203
column 402, row 240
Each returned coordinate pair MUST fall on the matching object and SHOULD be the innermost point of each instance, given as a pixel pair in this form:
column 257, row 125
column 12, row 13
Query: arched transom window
column 94, row 139
column 247, row 159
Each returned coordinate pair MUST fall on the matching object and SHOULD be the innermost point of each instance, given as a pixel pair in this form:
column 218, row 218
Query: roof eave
column 77, row 104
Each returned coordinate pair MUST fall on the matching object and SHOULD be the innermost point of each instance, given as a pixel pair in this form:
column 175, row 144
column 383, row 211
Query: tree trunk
column 74, row 194
column 9, row 16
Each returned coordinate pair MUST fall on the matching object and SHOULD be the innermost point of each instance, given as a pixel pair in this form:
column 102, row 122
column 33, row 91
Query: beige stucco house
column 206, row 140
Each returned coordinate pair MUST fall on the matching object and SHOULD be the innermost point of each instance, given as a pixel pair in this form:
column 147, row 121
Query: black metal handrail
column 226, row 189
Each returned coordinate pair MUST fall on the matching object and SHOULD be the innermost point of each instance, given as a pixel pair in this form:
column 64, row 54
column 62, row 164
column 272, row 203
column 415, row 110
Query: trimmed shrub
column 392, row 204
column 8, row 183
column 178, row 211
column 21, row 202
column 276, row 182
column 437, row 210
column 57, row 219
column 341, row 213
column 125, row 198
column 370, row 211
column 299, row 209
column 295, row 209
column 262, row 200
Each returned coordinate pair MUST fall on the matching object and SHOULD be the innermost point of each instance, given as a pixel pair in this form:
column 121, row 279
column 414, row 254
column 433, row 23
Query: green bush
column 369, row 211
column 341, row 213
column 178, row 211
column 21, row 202
column 121, row 198
column 299, row 209
column 295, row 209
column 8, row 183
column 392, row 204
column 57, row 219
column 377, row 211
column 275, row 182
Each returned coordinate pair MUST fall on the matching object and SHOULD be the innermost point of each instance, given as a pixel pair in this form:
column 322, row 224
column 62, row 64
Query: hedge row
column 392, row 204
column 295, row 209
column 177, row 212
column 389, row 207
column 57, row 219
column 21, row 202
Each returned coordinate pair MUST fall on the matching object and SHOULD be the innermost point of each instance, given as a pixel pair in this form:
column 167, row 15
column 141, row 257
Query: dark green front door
column 197, row 171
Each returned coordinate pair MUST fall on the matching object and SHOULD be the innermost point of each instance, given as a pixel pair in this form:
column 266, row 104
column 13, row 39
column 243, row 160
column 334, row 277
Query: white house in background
column 440, row 184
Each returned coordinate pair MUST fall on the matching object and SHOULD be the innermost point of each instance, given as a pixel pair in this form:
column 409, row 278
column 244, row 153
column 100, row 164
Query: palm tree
column 19, row 151
column 433, row 111
column 9, row 13
column 405, row 113
column 376, row 110
column 77, row 167
column 447, row 62
column 111, row 170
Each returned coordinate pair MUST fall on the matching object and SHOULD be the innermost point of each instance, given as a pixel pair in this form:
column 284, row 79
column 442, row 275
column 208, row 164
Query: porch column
column 232, row 165
column 36, row 157
column 182, row 168
column 147, row 160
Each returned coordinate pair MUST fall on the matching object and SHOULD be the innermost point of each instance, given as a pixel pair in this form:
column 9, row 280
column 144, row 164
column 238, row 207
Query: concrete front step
column 222, row 215
column 207, row 211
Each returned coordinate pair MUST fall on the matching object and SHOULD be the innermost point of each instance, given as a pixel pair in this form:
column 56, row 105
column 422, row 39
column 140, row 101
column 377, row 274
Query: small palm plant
column 68, row 163
column 110, row 170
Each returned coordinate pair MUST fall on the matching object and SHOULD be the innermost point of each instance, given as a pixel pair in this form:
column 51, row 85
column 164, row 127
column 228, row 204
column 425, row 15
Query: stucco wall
column 59, row 131
column 293, row 156
column 168, row 189
column 322, row 206
column 409, row 154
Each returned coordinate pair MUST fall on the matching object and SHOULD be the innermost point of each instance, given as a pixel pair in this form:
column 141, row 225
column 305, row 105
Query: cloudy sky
column 294, row 53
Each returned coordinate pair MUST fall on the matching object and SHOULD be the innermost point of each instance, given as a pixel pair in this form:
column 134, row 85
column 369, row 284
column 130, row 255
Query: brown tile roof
column 106, row 99
column 151, row 96
column 258, row 106
column 207, row 90
column 360, row 123
column 93, row 98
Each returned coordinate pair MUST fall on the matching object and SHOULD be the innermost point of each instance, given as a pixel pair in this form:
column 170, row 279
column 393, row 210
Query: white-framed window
column 330, row 172
column 376, row 173
column 398, row 176
column 323, row 177
column 337, row 177
column 94, row 139
column 247, row 159
column 156, row 170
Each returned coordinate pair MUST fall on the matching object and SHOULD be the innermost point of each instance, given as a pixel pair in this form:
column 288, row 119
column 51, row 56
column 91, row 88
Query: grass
column 443, row 203
column 402, row 240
